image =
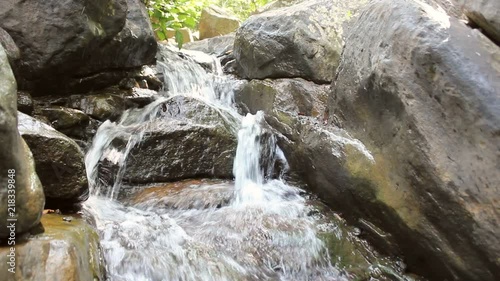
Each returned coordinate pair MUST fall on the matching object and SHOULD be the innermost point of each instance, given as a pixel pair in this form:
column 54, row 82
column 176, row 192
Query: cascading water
column 254, row 229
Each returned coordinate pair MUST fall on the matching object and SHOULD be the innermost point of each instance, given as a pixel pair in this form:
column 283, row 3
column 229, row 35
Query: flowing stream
column 255, row 228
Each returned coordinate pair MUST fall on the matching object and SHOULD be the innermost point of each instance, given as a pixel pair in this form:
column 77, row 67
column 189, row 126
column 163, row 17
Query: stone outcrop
column 421, row 91
column 303, row 40
column 59, row 162
column 215, row 21
column 16, row 163
column 77, row 46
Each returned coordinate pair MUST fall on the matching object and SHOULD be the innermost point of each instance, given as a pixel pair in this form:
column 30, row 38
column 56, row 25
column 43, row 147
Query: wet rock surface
column 77, row 46
column 293, row 96
column 16, row 163
column 187, row 139
column 303, row 40
column 67, row 250
column 420, row 90
column 25, row 102
column 59, row 162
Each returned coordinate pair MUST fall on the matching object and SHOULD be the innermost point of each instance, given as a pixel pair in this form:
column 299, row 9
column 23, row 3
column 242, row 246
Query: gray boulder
column 303, row 40
column 17, row 162
column 59, row 162
column 421, row 91
column 485, row 14
column 187, row 139
column 77, row 45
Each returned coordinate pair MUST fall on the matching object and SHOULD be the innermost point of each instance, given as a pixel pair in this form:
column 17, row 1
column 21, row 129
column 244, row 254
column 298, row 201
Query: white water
column 252, row 229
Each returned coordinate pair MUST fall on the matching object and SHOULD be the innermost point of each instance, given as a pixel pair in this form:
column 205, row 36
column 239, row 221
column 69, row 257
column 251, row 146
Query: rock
column 485, row 14
column 304, row 40
column 102, row 106
column 25, row 102
column 215, row 21
column 66, row 251
column 188, row 139
column 186, row 194
column 421, row 91
column 64, row 118
column 75, row 45
column 71, row 122
column 59, row 163
column 216, row 46
column 17, row 163
column 293, row 96
column 141, row 97
column 10, row 47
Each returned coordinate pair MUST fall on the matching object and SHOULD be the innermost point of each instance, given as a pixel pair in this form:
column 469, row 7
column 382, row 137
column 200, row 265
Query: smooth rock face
column 188, row 141
column 9, row 46
column 422, row 92
column 59, row 162
column 16, row 157
column 304, row 40
column 77, row 45
column 484, row 13
column 215, row 21
column 292, row 96
column 65, row 251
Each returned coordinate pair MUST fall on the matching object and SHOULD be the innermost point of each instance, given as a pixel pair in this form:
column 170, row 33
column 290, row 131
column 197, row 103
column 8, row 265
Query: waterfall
column 181, row 78
column 255, row 228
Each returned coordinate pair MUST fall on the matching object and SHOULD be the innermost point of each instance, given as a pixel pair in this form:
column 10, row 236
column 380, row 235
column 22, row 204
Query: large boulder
column 421, row 91
column 303, row 40
column 485, row 14
column 215, row 21
column 18, row 176
column 77, row 45
column 187, row 139
column 59, row 162
column 68, row 250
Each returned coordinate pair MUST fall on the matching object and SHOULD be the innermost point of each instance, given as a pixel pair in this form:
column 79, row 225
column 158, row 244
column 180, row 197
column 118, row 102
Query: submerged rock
column 421, row 90
column 59, row 162
column 68, row 250
column 16, row 164
column 215, row 21
column 304, row 40
column 77, row 46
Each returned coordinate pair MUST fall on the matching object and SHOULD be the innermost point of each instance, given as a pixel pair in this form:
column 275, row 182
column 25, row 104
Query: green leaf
column 179, row 38
column 161, row 35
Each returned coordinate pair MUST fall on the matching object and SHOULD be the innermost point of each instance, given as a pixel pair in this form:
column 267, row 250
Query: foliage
column 176, row 14
column 241, row 8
